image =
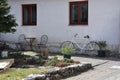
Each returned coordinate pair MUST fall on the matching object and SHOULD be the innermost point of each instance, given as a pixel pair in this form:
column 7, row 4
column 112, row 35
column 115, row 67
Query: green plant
column 39, row 61
column 53, row 61
column 6, row 57
column 7, row 21
column 102, row 44
column 68, row 60
column 67, row 50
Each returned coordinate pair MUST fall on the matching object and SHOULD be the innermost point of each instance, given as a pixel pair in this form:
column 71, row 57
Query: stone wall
column 59, row 73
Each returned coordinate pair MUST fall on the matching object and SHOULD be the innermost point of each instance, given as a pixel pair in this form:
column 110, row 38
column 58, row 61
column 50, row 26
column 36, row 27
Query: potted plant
column 4, row 49
column 102, row 48
column 67, row 51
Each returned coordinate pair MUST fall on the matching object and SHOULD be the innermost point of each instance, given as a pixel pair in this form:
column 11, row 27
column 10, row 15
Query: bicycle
column 83, row 45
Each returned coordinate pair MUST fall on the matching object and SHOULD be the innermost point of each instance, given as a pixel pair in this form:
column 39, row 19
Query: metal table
column 31, row 40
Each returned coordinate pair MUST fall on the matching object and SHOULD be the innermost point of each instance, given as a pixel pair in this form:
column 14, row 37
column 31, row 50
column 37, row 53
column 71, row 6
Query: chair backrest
column 44, row 39
column 21, row 38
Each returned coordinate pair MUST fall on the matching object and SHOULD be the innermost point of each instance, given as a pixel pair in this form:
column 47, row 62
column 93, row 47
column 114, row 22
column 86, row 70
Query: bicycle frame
column 81, row 45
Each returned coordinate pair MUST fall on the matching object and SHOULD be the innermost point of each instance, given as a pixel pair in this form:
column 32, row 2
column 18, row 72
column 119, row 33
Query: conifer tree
column 7, row 21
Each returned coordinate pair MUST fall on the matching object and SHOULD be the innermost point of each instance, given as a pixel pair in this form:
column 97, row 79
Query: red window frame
column 30, row 14
column 79, row 10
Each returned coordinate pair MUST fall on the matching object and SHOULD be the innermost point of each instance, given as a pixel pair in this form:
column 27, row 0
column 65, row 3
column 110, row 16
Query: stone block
column 59, row 73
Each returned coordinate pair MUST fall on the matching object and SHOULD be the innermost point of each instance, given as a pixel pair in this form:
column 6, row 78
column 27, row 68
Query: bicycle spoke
column 92, row 46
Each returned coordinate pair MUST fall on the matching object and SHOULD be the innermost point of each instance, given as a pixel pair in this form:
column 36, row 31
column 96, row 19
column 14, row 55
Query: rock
column 58, row 73
column 53, row 71
column 36, row 77
column 35, row 57
column 6, row 63
column 54, row 77
column 64, row 72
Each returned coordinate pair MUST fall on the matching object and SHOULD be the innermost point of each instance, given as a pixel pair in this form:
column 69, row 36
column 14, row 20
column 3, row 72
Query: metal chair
column 22, row 43
column 42, row 44
column 43, row 40
column 21, row 38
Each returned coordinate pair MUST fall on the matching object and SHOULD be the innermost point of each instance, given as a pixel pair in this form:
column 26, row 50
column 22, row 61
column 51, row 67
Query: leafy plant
column 39, row 61
column 67, row 50
column 60, row 63
column 102, row 44
column 68, row 60
column 53, row 61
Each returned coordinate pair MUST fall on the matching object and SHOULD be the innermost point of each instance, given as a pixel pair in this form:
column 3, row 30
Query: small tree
column 7, row 21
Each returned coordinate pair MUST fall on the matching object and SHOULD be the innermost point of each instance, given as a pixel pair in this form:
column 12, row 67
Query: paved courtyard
column 104, row 69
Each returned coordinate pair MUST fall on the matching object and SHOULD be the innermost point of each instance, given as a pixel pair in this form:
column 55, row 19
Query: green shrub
column 53, row 61
column 102, row 44
column 67, row 50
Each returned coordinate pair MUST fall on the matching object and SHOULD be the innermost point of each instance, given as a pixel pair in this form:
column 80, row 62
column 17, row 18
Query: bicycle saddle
column 87, row 36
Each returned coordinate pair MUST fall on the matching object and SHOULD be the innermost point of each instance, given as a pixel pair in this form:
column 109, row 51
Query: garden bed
column 37, row 68
column 36, row 61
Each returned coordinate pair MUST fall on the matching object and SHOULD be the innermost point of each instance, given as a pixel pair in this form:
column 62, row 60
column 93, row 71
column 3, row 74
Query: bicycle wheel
column 67, row 43
column 92, row 46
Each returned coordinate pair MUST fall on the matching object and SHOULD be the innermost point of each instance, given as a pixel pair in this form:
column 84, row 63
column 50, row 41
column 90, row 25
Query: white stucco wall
column 53, row 20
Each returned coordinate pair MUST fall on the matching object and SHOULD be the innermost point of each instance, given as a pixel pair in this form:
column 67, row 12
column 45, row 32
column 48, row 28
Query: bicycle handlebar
column 87, row 36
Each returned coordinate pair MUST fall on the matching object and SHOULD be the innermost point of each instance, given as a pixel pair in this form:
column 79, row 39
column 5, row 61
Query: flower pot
column 67, row 56
column 4, row 54
column 101, row 53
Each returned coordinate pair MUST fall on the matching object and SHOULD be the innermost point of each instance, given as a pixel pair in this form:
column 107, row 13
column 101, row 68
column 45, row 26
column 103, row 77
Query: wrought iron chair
column 22, row 43
column 42, row 44
column 43, row 41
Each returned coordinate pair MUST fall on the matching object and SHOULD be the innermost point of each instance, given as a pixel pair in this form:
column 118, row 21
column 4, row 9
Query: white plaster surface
column 53, row 20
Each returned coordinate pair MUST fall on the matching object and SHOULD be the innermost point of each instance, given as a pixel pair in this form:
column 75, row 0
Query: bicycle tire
column 67, row 43
column 92, row 46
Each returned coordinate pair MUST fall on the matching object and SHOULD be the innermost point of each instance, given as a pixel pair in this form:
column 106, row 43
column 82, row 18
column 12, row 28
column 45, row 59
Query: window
column 79, row 13
column 29, row 14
